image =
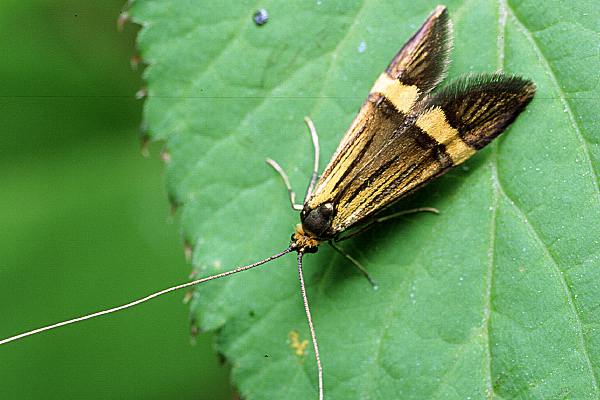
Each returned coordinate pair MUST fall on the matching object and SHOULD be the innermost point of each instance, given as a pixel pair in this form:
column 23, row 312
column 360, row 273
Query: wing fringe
column 481, row 106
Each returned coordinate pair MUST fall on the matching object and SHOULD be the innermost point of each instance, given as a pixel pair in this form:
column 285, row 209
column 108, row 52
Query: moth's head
column 317, row 221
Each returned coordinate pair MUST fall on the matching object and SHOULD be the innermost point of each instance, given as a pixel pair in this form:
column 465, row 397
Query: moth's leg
column 315, row 172
column 286, row 182
column 354, row 262
column 407, row 212
column 367, row 225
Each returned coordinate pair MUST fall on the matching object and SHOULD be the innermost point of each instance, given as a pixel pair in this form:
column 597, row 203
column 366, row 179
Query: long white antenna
column 315, row 171
column 144, row 299
column 310, row 324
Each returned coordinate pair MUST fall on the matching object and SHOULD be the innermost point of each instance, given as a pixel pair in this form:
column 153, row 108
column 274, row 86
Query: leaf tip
column 188, row 249
column 165, row 156
column 174, row 204
column 145, row 145
column 142, row 93
column 123, row 18
column 135, row 61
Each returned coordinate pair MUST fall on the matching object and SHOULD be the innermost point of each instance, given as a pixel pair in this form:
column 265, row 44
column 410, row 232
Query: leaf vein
column 563, row 98
column 560, row 273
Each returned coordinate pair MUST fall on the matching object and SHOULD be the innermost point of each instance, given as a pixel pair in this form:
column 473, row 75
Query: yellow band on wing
column 403, row 97
column 434, row 123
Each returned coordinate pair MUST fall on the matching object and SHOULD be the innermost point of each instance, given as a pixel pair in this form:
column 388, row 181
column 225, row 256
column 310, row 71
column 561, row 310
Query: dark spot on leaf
column 261, row 17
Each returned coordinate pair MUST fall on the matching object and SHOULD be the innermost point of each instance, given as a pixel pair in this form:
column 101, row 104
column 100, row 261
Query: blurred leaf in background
column 85, row 218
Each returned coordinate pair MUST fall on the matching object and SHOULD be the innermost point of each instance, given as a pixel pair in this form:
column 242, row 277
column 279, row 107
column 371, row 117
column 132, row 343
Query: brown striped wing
column 395, row 153
column 388, row 157
column 414, row 71
column 364, row 151
column 480, row 107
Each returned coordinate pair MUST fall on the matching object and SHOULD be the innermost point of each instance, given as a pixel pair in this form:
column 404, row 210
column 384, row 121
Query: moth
column 404, row 135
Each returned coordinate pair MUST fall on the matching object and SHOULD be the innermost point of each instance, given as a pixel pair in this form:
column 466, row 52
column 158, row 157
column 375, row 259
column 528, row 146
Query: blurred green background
column 85, row 219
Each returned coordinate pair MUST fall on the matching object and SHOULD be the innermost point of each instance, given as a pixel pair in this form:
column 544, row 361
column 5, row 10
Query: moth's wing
column 413, row 72
column 480, row 107
column 423, row 60
column 449, row 127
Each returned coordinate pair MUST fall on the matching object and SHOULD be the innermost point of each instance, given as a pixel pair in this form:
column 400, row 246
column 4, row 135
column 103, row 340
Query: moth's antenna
column 310, row 324
column 149, row 297
column 315, row 172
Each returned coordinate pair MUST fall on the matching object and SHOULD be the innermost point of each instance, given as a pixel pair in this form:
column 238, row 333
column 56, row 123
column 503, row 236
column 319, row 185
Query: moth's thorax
column 317, row 221
column 304, row 241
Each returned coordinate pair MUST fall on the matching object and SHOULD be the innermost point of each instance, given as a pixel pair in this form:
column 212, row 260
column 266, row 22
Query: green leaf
column 497, row 297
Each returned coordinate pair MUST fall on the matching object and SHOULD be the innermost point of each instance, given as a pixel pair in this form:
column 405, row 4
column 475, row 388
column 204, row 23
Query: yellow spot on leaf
column 298, row 346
